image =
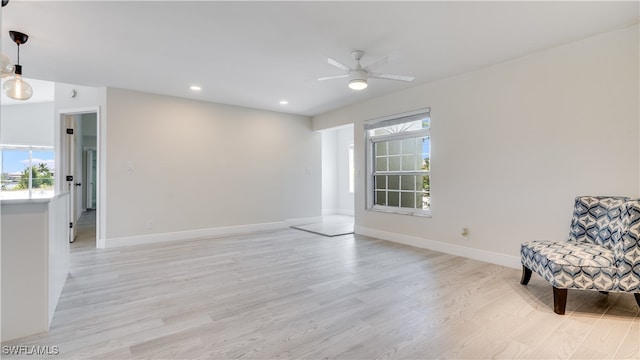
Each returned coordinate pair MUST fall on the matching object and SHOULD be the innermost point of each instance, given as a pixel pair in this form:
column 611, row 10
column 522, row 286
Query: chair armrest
column 626, row 249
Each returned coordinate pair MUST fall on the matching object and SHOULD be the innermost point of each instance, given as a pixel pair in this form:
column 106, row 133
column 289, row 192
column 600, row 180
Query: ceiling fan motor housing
column 357, row 75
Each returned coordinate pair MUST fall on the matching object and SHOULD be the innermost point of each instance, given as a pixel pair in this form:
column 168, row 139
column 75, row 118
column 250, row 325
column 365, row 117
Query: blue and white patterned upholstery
column 602, row 252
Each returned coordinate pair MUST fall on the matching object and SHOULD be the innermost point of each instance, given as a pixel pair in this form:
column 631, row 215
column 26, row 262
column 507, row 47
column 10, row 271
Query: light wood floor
column 293, row 294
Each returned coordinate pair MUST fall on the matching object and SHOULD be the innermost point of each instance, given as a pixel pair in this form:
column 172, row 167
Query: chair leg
column 637, row 295
column 526, row 276
column 559, row 300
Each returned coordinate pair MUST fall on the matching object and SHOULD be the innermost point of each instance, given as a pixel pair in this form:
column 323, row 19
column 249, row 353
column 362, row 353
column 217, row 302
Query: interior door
column 70, row 149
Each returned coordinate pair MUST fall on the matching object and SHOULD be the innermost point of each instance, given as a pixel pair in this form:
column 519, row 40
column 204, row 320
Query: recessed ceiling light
column 195, row 88
column 283, row 102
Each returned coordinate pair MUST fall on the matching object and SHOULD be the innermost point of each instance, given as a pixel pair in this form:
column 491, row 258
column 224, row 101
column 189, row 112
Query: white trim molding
column 206, row 233
column 452, row 249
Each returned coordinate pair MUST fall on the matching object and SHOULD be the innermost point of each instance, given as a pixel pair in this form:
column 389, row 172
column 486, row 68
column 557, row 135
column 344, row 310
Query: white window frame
column 370, row 153
column 30, row 149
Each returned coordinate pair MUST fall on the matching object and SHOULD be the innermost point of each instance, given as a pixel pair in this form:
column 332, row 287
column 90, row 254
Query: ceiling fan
column 359, row 75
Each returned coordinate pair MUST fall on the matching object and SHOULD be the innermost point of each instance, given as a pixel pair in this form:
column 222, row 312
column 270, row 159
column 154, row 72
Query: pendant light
column 6, row 66
column 16, row 88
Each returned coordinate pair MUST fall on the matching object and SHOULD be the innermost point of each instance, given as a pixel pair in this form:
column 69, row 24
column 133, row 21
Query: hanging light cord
column 18, row 54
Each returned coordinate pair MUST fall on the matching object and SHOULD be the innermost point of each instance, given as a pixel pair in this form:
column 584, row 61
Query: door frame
column 61, row 155
column 90, row 176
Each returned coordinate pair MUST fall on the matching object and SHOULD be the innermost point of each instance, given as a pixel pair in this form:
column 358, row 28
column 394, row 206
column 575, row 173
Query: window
column 27, row 172
column 398, row 152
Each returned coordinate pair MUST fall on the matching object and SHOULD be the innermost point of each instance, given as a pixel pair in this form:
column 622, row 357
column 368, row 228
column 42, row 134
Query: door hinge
column 69, row 177
column 70, row 225
column 70, row 131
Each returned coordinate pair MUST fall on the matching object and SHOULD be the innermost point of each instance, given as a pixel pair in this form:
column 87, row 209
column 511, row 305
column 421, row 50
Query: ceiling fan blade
column 376, row 64
column 338, row 64
column 391, row 77
column 382, row 61
column 332, row 77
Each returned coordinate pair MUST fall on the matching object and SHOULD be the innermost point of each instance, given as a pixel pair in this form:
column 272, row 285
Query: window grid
column 35, row 177
column 400, row 167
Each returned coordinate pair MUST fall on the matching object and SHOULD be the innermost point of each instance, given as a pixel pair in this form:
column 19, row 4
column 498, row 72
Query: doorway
column 338, row 183
column 80, row 166
column 338, row 171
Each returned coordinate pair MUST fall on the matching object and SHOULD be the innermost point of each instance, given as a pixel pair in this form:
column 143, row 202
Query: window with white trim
column 399, row 153
column 27, row 172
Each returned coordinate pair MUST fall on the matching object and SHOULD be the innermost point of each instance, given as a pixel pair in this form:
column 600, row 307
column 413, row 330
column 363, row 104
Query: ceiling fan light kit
column 358, row 80
column 359, row 75
column 16, row 88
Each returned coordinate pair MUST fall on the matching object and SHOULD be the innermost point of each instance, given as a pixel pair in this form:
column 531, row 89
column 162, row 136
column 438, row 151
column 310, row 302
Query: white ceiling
column 256, row 53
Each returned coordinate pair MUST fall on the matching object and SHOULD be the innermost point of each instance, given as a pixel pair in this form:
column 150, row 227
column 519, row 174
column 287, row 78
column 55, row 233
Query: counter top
column 31, row 201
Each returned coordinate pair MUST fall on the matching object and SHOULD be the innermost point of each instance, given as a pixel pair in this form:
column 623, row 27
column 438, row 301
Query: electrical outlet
column 150, row 224
column 465, row 234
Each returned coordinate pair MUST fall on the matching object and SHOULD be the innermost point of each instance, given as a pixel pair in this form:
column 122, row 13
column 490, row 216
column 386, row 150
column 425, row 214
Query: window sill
column 400, row 211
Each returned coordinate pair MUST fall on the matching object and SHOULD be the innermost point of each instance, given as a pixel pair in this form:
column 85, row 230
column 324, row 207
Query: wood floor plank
column 295, row 295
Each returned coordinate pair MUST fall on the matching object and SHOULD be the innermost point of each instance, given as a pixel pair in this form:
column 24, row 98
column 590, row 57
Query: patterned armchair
column 601, row 254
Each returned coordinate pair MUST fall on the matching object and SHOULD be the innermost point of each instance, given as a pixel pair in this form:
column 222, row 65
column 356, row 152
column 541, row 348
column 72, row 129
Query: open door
column 69, row 170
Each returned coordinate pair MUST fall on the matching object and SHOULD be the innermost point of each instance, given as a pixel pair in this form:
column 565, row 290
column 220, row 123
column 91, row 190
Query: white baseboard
column 205, row 233
column 326, row 212
column 476, row 254
column 346, row 212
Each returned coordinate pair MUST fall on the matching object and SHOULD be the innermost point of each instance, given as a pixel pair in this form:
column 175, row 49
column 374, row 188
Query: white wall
column 329, row 172
column 27, row 124
column 89, row 130
column 187, row 165
column 344, row 138
column 513, row 144
column 89, row 127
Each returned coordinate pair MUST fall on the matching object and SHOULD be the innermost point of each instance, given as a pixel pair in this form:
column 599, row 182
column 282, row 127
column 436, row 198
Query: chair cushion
column 571, row 265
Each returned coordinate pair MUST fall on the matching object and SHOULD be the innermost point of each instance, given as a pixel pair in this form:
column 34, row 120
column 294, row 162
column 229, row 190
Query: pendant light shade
column 6, row 66
column 16, row 88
